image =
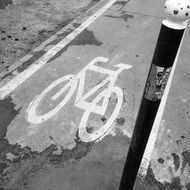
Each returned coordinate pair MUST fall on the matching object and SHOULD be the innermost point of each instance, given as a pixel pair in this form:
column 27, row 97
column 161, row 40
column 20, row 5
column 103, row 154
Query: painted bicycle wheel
column 87, row 135
column 51, row 95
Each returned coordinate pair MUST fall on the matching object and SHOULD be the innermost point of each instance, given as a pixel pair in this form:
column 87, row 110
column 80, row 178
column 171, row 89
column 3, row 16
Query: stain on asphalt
column 35, row 57
column 22, row 44
column 183, row 137
column 4, row 3
column 103, row 119
column 161, row 160
column 176, row 184
column 179, row 142
column 79, row 151
column 65, row 23
column 44, row 33
column 123, row 16
column 28, row 162
column 61, row 36
column 175, row 180
column 188, row 186
column 38, row 54
column 122, row 3
column 89, row 129
column 93, row 2
column 176, row 161
column 76, row 25
column 120, row 121
column 86, row 37
column 7, row 113
column 50, row 137
column 151, row 180
column 186, row 160
column 26, row 64
column 14, row 170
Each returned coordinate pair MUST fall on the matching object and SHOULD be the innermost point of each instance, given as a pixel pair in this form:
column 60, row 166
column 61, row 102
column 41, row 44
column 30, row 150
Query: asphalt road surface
column 68, row 108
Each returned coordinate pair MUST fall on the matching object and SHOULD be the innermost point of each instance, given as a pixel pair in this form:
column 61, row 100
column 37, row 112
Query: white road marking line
column 19, row 79
column 155, row 129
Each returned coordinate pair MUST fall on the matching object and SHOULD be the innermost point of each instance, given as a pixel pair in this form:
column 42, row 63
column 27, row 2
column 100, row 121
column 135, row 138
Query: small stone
column 176, row 12
column 161, row 160
column 120, row 121
column 9, row 36
column 89, row 129
column 103, row 119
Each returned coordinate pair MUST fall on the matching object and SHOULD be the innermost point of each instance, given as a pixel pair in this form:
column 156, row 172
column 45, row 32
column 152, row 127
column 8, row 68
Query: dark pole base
column 138, row 144
column 166, row 50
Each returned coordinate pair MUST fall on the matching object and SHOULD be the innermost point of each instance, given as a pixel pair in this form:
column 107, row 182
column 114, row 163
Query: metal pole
column 169, row 40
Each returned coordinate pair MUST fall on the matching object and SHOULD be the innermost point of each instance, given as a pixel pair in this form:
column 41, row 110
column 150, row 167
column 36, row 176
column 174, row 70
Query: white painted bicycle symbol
column 81, row 99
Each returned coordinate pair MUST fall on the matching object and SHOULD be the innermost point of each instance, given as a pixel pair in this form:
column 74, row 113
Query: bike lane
column 119, row 46
column 126, row 33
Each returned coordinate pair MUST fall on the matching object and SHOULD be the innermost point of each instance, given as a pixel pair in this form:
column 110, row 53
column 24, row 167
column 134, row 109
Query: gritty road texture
column 51, row 155
column 24, row 24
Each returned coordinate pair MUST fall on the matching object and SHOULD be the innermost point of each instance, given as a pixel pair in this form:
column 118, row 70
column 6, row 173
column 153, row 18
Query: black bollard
column 167, row 47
